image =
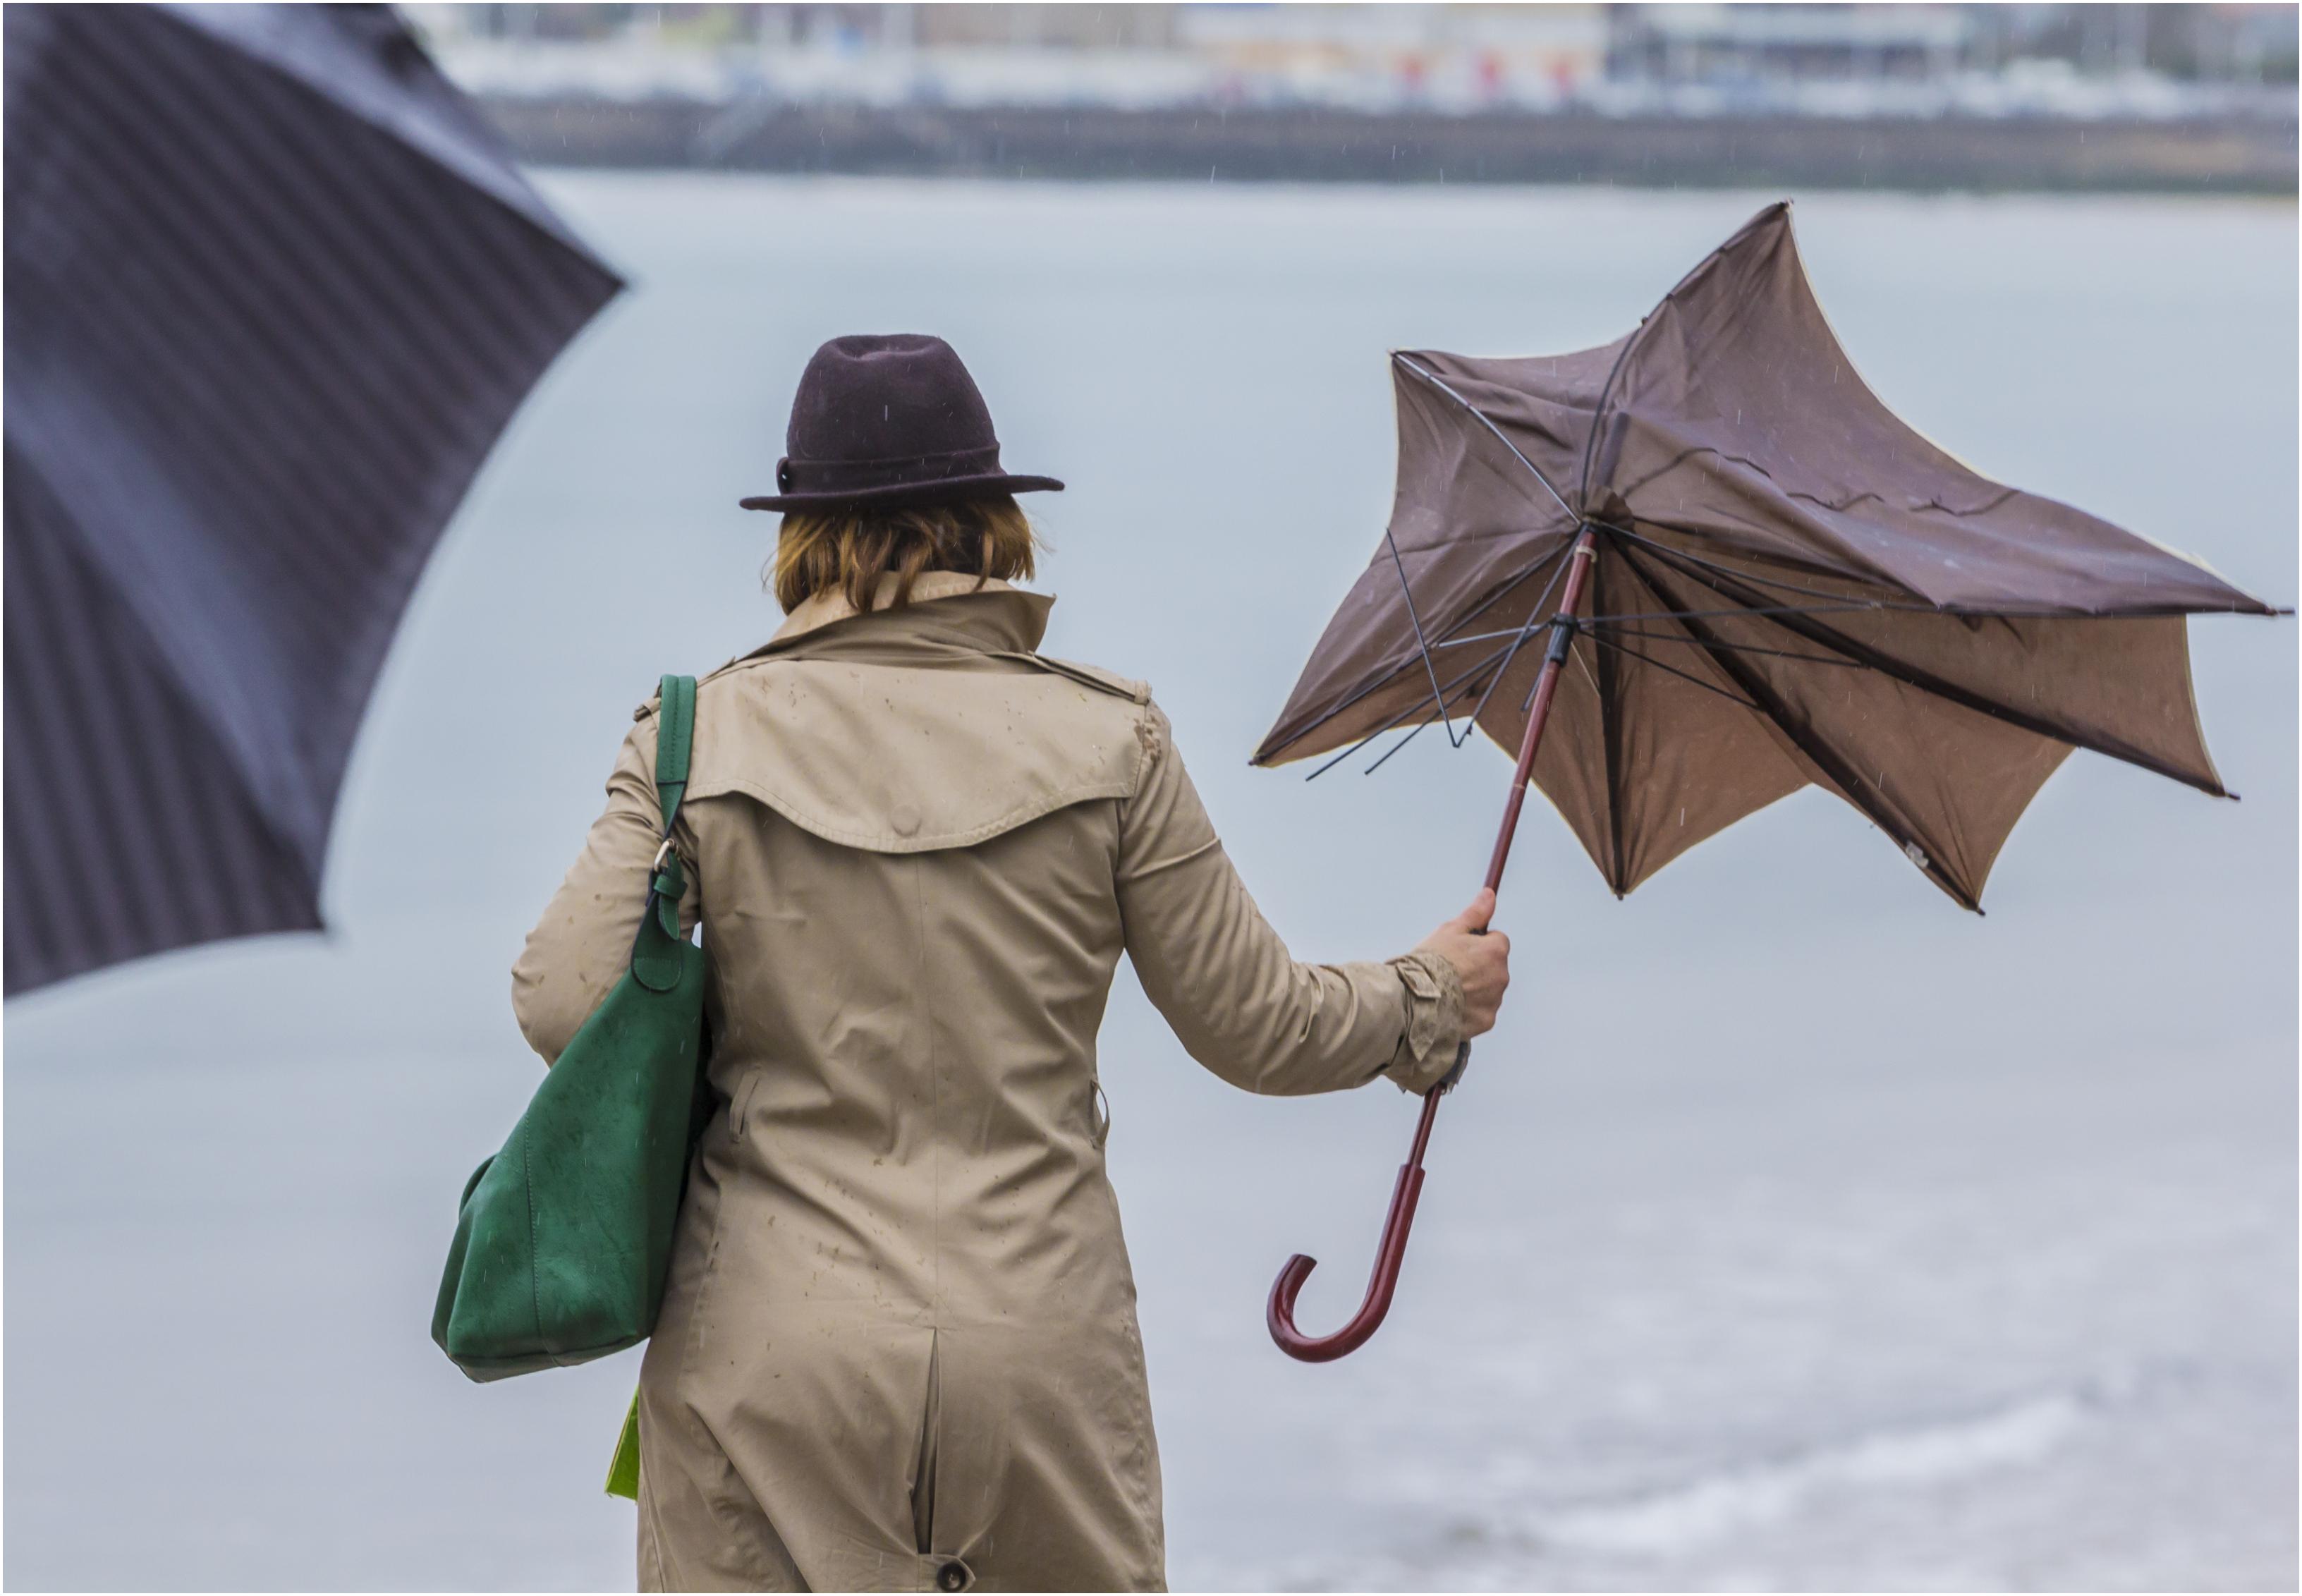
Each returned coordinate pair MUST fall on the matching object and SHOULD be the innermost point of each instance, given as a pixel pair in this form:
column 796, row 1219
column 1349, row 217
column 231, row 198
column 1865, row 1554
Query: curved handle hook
column 1280, row 1313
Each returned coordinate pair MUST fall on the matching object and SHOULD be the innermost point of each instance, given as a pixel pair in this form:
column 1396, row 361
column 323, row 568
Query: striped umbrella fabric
column 273, row 288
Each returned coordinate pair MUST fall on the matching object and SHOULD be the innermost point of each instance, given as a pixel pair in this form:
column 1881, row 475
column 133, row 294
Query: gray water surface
column 1795, row 1229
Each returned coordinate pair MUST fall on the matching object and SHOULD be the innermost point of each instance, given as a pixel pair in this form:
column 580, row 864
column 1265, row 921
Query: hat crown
column 889, row 420
column 889, row 397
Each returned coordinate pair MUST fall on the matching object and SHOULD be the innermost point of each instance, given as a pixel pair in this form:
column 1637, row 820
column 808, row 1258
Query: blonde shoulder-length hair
column 848, row 550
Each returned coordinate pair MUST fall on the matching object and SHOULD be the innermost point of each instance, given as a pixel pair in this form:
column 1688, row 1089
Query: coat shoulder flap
column 1089, row 676
column 900, row 759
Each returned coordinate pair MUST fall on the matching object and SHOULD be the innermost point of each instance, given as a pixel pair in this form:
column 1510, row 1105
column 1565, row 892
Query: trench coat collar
column 947, row 612
column 822, row 608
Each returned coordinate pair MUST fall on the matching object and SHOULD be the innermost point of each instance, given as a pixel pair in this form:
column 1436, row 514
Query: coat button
column 905, row 820
column 954, row 1575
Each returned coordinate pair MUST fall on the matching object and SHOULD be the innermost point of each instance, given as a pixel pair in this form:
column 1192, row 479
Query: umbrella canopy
column 1790, row 585
column 273, row 288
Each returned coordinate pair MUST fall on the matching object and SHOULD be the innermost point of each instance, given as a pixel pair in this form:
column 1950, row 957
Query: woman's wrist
column 1432, row 1032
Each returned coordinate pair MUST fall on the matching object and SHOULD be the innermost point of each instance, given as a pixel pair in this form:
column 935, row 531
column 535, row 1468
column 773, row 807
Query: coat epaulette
column 1103, row 681
column 654, row 701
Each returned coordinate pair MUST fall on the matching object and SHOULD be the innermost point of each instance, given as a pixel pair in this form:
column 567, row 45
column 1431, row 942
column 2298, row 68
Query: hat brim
column 901, row 495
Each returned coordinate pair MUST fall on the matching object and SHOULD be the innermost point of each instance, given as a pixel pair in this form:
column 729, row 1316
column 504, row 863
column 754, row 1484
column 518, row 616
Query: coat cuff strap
column 1433, row 1030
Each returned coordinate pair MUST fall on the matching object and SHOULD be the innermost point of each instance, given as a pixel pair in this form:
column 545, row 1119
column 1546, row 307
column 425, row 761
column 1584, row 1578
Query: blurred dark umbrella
column 1786, row 586
column 273, row 288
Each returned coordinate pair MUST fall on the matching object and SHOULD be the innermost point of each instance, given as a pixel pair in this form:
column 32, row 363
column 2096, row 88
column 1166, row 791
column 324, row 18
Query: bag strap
column 656, row 961
column 675, row 738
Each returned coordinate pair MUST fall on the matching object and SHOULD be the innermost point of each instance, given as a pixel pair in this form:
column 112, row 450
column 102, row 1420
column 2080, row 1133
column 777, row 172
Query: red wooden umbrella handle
column 1279, row 1315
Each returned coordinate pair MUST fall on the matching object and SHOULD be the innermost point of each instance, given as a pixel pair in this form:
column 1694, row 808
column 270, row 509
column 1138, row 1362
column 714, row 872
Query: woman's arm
column 582, row 946
column 1237, row 1000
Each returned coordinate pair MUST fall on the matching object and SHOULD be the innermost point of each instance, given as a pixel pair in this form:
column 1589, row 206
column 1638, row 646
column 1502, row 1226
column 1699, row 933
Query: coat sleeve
column 582, row 944
column 1237, row 999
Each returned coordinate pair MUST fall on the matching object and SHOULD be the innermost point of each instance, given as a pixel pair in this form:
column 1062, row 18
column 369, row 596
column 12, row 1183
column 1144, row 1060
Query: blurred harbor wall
column 1325, row 144
column 2165, row 98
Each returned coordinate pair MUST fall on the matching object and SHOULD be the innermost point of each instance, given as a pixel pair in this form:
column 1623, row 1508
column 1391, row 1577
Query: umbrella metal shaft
column 1279, row 1313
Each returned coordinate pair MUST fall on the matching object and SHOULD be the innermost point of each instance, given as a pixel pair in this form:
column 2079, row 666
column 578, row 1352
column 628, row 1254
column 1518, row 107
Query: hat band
column 903, row 471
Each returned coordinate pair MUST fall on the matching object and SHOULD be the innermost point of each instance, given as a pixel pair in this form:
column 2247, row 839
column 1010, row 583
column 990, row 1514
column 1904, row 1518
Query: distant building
column 1724, row 44
column 1462, row 56
column 1038, row 26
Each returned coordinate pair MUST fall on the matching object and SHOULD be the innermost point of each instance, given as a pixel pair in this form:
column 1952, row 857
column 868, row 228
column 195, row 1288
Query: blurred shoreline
column 1927, row 97
column 1316, row 144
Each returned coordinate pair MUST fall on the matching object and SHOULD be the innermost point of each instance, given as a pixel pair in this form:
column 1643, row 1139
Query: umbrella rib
column 1926, row 681
column 1452, row 687
column 1588, row 674
column 2036, row 613
column 1766, row 610
column 1672, row 615
column 1740, row 648
column 1422, row 643
column 1459, row 684
column 1518, row 638
column 1861, row 793
column 1727, row 570
column 1419, row 729
column 1681, row 675
column 1527, row 630
column 1607, row 392
column 1607, row 389
column 1444, row 641
column 1486, row 421
column 1524, row 633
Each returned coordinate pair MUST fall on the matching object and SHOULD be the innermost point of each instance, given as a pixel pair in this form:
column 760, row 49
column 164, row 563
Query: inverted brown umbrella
column 1693, row 571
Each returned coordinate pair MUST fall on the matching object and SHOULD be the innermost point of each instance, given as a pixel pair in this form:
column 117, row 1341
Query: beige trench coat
column 898, row 1350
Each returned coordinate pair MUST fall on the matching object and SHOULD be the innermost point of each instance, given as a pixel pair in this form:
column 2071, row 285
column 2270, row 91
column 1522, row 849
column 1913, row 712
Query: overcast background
column 1978, row 1268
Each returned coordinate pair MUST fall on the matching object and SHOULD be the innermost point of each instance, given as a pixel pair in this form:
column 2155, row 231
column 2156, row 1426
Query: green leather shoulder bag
column 565, row 1236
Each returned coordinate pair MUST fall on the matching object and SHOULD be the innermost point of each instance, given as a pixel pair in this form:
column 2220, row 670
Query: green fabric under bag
column 565, row 1236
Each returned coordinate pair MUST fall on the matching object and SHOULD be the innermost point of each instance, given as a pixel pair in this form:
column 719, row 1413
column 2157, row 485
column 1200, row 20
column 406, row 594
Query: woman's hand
column 1481, row 957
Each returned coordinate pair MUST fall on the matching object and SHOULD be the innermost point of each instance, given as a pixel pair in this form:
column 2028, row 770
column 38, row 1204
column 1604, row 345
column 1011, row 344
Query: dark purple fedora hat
column 889, row 420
